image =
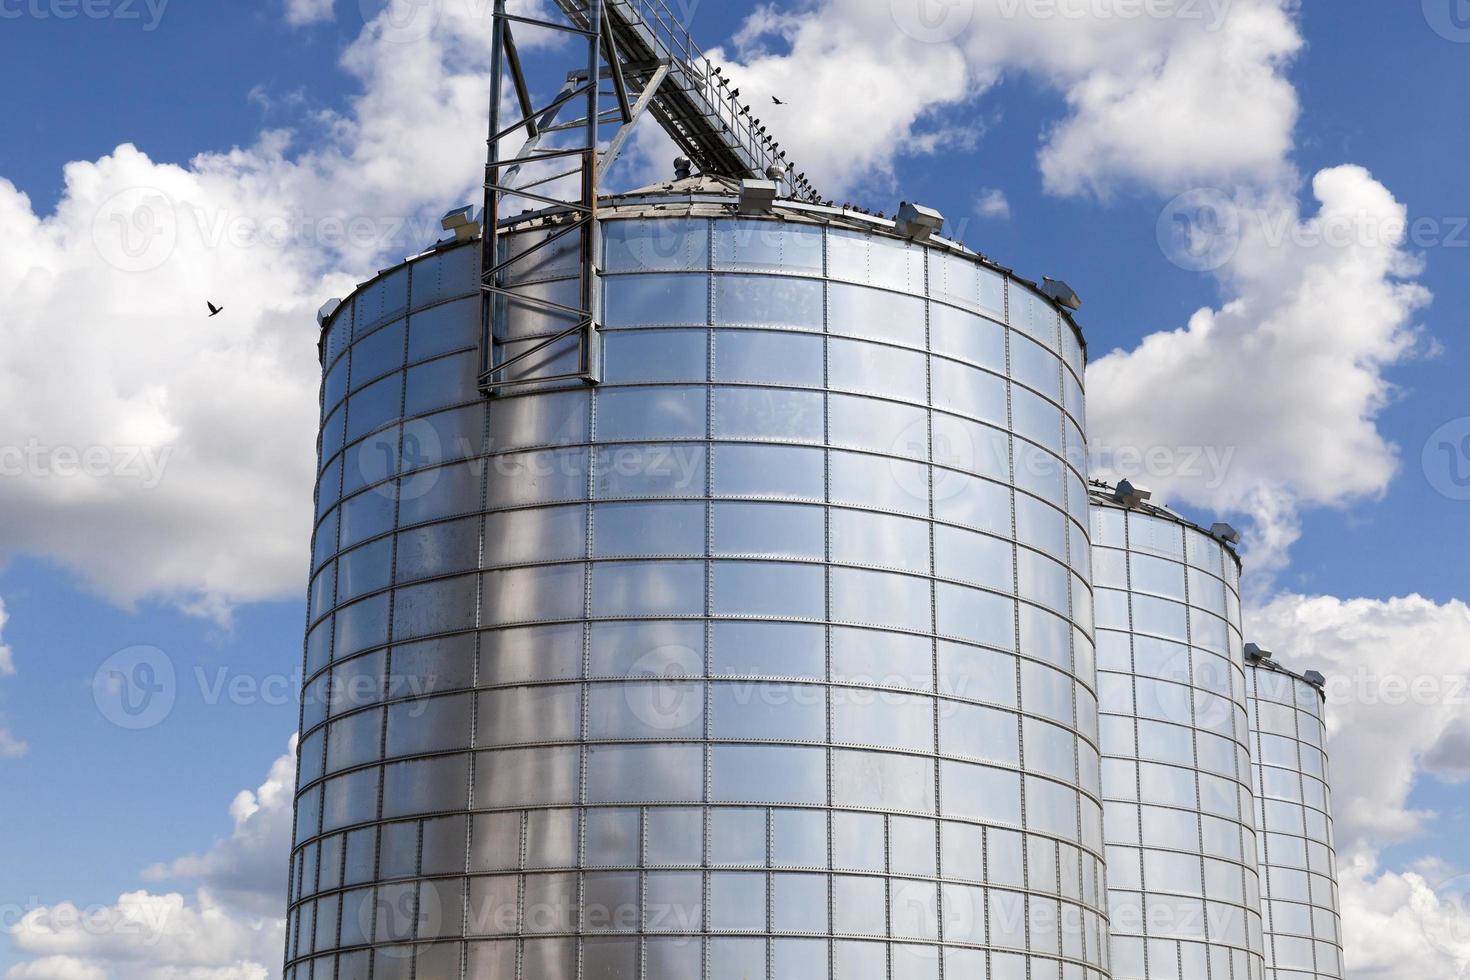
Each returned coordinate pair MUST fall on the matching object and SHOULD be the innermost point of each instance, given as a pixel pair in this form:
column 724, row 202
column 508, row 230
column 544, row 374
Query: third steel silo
column 767, row 656
column 1184, row 891
column 1299, row 897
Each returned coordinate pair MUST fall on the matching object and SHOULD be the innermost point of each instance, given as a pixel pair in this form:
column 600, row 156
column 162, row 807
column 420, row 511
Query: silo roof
column 1101, row 493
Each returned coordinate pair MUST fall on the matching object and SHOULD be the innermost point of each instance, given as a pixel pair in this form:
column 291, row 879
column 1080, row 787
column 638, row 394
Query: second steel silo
column 1184, row 890
column 767, row 656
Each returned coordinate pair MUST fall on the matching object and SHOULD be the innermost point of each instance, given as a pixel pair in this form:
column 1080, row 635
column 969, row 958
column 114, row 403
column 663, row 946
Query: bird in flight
column 777, row 101
column 214, row 311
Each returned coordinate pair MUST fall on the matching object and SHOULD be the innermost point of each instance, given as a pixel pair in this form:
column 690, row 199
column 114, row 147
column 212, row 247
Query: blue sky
column 89, row 805
column 1376, row 87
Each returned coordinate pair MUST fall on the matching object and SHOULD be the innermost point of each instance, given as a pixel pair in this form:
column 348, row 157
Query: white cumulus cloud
column 993, row 203
column 1398, row 692
column 247, row 869
column 172, row 459
column 1398, row 673
column 7, row 656
column 1268, row 404
column 1159, row 95
column 142, row 467
column 1409, row 925
column 1286, row 376
column 299, row 13
column 1190, row 99
column 56, row 968
column 859, row 94
column 11, row 747
column 231, row 928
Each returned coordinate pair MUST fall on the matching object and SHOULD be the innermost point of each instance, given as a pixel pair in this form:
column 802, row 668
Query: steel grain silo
column 1297, row 857
column 1184, row 891
column 769, row 655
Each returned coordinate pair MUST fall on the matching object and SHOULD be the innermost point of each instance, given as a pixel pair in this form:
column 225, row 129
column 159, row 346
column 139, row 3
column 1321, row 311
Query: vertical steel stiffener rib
column 654, row 68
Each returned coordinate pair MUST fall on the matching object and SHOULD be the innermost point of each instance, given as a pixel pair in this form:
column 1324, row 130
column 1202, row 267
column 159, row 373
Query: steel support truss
column 633, row 57
column 560, row 166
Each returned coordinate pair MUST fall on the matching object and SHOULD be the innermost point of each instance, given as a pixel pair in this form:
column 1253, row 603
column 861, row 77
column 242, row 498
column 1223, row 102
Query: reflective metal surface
column 769, row 657
column 1298, row 862
column 1184, row 892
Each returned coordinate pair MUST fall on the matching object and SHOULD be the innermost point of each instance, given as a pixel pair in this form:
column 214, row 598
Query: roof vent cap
column 683, row 168
column 1061, row 293
column 776, row 172
column 1130, row 496
column 1315, row 679
column 757, row 196
column 1224, row 533
column 325, row 313
column 918, row 223
column 462, row 222
column 1254, row 653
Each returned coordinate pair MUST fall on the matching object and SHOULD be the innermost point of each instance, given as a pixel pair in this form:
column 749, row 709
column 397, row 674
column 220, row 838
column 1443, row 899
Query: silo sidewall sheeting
column 1184, row 890
column 770, row 655
column 1299, row 889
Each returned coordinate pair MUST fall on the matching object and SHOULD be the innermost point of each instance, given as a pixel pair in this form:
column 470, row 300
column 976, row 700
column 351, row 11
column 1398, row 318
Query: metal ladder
column 651, row 65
